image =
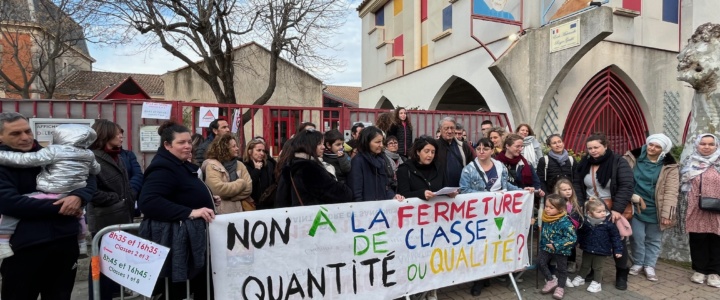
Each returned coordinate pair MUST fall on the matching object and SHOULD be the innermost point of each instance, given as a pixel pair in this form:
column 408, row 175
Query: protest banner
column 369, row 250
column 132, row 261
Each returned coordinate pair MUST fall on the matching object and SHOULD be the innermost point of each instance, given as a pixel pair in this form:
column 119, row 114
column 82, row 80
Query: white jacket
column 65, row 164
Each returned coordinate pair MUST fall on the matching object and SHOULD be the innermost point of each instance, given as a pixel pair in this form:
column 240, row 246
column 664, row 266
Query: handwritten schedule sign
column 132, row 261
column 154, row 110
column 369, row 250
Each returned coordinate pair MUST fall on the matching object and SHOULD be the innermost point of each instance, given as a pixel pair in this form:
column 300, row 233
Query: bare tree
column 293, row 29
column 42, row 40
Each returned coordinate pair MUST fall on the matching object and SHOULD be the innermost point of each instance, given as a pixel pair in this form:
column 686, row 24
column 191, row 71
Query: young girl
column 598, row 238
column 564, row 188
column 557, row 238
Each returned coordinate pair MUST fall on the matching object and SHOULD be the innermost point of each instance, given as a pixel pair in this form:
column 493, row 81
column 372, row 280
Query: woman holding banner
column 420, row 175
column 177, row 207
column 303, row 180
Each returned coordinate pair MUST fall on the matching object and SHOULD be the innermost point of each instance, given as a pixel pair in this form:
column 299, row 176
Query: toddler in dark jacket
column 557, row 238
column 598, row 238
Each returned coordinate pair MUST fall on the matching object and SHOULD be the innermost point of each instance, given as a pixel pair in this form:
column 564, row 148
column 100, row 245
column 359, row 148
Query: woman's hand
column 541, row 193
column 217, row 200
column 207, row 214
column 530, row 189
column 453, row 194
column 429, row 195
column 258, row 164
column 665, row 221
column 618, row 255
column 614, row 216
column 399, row 197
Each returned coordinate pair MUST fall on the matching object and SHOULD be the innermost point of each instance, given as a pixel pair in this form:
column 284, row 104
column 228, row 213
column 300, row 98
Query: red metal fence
column 275, row 123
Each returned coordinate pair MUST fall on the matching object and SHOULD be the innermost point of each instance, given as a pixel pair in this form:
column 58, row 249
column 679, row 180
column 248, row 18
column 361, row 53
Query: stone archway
column 384, row 103
column 606, row 104
column 459, row 95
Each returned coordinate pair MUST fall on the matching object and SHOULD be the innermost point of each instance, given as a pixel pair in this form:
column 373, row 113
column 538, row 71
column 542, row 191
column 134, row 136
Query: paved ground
column 674, row 284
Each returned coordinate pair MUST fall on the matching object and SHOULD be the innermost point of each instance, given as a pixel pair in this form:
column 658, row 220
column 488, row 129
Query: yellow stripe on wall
column 424, row 56
column 398, row 6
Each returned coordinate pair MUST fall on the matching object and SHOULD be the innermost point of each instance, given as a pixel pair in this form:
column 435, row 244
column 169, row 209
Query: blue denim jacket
column 471, row 182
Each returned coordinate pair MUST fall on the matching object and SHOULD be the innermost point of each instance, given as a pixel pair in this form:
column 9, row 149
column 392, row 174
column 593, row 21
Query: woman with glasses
column 393, row 159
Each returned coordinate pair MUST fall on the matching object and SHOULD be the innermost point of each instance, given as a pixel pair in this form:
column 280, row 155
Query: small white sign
column 207, row 115
column 565, row 36
column 153, row 110
column 43, row 127
column 149, row 138
column 132, row 261
column 236, row 120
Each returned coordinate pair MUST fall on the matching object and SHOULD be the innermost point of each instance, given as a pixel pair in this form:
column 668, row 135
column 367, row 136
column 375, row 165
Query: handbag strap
column 296, row 191
column 482, row 175
column 592, row 177
column 700, row 188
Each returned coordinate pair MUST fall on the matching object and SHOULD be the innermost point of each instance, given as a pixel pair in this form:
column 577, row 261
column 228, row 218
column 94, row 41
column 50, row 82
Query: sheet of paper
column 446, row 190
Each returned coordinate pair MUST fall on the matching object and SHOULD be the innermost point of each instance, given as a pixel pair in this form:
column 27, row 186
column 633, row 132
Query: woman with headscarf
column 606, row 175
column 700, row 177
column 655, row 196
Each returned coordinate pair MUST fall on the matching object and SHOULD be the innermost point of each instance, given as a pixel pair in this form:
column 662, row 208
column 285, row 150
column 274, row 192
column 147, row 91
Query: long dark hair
column 366, row 136
column 106, row 131
column 397, row 120
column 304, row 142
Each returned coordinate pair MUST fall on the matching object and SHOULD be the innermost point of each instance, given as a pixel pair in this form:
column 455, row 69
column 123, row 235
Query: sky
column 129, row 59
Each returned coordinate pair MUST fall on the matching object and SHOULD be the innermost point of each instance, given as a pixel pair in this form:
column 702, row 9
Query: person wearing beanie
column 655, row 197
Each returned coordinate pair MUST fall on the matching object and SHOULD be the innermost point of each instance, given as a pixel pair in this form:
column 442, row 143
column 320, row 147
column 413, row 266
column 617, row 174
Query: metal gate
column 606, row 104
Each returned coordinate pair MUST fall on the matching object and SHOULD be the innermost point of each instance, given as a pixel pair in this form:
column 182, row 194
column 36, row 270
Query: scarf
column 526, row 174
column 594, row 221
column 560, row 158
column 114, row 153
column 231, row 168
column 696, row 164
column 604, row 172
column 394, row 158
column 549, row 219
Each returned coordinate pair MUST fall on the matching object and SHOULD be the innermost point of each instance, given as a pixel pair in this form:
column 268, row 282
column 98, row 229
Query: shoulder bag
column 627, row 214
column 708, row 203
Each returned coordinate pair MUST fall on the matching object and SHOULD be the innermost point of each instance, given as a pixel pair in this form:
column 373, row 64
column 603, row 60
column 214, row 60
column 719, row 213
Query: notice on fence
column 43, row 128
column 149, row 138
column 132, row 261
column 369, row 250
column 153, row 110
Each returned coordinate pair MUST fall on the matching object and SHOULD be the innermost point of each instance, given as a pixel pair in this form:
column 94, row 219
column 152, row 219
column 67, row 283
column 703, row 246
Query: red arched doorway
column 606, row 104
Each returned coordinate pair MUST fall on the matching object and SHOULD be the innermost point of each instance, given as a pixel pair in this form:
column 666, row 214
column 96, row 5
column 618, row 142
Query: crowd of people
column 606, row 204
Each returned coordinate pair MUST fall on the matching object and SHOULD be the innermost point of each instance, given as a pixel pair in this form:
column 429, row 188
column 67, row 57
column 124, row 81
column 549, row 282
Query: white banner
column 132, row 261
column 369, row 250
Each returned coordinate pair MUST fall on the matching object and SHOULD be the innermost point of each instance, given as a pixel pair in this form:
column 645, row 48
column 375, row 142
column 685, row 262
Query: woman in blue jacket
column 368, row 174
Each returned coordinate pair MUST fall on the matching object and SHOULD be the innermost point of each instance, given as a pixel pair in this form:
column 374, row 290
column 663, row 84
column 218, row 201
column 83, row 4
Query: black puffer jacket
column 113, row 202
column 404, row 136
column 549, row 173
column 412, row 182
column 622, row 184
column 314, row 184
column 601, row 239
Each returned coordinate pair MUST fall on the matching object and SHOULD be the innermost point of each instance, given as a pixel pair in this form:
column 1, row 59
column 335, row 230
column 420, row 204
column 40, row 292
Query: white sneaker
column 650, row 274
column 698, row 278
column 578, row 281
column 431, row 295
column 594, row 287
column 713, row 280
column 5, row 251
column 568, row 283
column 635, row 269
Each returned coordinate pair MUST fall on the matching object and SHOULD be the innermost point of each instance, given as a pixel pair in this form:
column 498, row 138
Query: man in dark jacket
column 451, row 153
column 217, row 127
column 45, row 241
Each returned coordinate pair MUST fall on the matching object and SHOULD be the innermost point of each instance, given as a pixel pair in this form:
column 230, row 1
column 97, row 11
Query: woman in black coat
column 113, row 202
column 608, row 176
column 420, row 175
column 174, row 199
column 402, row 129
column 557, row 164
column 303, row 180
column 369, row 178
column 261, row 168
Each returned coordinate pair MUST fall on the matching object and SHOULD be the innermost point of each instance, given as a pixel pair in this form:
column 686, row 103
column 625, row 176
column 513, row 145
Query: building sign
column 131, row 261
column 369, row 250
column 43, row 127
column 149, row 138
column 565, row 36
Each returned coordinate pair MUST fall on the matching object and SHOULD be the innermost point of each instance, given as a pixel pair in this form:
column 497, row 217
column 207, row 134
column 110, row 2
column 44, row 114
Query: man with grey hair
column 45, row 241
column 451, row 153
